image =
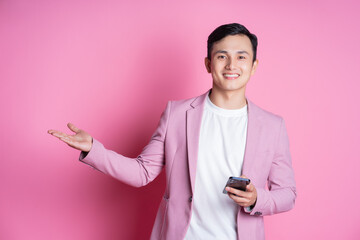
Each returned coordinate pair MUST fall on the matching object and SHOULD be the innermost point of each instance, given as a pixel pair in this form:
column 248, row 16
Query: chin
column 229, row 87
column 234, row 88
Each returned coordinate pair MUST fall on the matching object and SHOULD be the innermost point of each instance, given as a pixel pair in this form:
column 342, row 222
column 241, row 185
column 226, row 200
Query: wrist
column 253, row 205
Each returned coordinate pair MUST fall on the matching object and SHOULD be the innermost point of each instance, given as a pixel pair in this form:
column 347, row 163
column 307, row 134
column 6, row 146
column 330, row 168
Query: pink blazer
column 174, row 145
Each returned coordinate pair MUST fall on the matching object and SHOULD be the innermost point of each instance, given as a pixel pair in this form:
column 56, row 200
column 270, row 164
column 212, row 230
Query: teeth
column 231, row 75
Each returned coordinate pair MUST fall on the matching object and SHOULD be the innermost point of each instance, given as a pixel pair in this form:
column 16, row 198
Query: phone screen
column 237, row 182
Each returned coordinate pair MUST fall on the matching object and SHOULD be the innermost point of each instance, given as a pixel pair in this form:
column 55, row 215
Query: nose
column 230, row 64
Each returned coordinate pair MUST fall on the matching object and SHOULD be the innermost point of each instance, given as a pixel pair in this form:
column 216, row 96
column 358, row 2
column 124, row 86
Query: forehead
column 233, row 43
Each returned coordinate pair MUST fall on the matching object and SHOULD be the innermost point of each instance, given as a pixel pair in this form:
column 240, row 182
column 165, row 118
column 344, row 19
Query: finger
column 51, row 131
column 240, row 200
column 70, row 141
column 66, row 140
column 250, row 187
column 73, row 128
column 57, row 134
column 236, row 192
column 237, row 199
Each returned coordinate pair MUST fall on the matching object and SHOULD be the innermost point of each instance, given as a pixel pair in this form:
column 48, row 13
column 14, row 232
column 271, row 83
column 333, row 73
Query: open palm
column 81, row 140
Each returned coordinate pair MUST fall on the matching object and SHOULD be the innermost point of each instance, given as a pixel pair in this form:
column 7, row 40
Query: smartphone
column 238, row 183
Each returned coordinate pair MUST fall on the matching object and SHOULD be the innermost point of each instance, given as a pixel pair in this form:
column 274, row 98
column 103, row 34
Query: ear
column 207, row 65
column 254, row 66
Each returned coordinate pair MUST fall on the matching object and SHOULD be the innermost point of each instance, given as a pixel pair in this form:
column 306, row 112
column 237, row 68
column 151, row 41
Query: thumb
column 250, row 187
column 73, row 128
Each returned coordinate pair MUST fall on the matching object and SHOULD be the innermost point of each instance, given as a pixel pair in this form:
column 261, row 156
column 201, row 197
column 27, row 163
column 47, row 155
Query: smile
column 231, row 75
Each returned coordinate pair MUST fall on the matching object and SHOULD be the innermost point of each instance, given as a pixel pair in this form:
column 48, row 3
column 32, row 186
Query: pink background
column 111, row 66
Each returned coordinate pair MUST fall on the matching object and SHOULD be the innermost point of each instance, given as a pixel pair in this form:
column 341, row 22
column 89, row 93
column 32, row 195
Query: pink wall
column 111, row 66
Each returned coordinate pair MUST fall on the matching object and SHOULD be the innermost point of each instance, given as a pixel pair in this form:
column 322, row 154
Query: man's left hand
column 242, row 198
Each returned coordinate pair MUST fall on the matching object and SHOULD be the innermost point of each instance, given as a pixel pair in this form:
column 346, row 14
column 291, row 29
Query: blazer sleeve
column 281, row 193
column 137, row 171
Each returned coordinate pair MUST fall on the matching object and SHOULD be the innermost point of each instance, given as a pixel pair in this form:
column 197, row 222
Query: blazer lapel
column 193, row 125
column 253, row 133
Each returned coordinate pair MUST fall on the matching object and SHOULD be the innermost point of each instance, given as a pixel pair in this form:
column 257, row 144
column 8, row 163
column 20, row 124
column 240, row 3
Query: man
column 203, row 141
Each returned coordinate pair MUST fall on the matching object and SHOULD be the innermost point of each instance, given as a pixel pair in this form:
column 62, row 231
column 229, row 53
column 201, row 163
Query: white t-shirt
column 221, row 153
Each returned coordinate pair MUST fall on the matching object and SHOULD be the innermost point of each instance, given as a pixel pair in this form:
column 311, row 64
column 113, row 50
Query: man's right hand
column 81, row 140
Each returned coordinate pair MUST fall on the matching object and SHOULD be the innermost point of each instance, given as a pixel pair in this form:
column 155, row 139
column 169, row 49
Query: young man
column 203, row 141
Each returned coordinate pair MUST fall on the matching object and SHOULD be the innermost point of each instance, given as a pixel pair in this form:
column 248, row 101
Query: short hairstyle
column 230, row 29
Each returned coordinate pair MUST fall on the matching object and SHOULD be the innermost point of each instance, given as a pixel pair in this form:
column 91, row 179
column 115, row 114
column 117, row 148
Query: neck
column 228, row 99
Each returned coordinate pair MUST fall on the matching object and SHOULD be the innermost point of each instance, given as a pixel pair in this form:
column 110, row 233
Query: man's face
column 231, row 64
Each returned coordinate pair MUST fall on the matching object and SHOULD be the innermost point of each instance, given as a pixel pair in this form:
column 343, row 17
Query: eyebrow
column 223, row 51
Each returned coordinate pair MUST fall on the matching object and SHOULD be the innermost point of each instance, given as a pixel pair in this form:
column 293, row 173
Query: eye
column 241, row 57
column 221, row 57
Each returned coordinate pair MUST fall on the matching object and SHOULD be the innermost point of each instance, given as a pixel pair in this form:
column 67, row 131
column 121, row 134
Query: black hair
column 230, row 29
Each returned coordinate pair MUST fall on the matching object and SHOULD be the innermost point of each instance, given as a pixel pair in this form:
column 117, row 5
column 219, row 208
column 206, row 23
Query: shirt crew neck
column 225, row 112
